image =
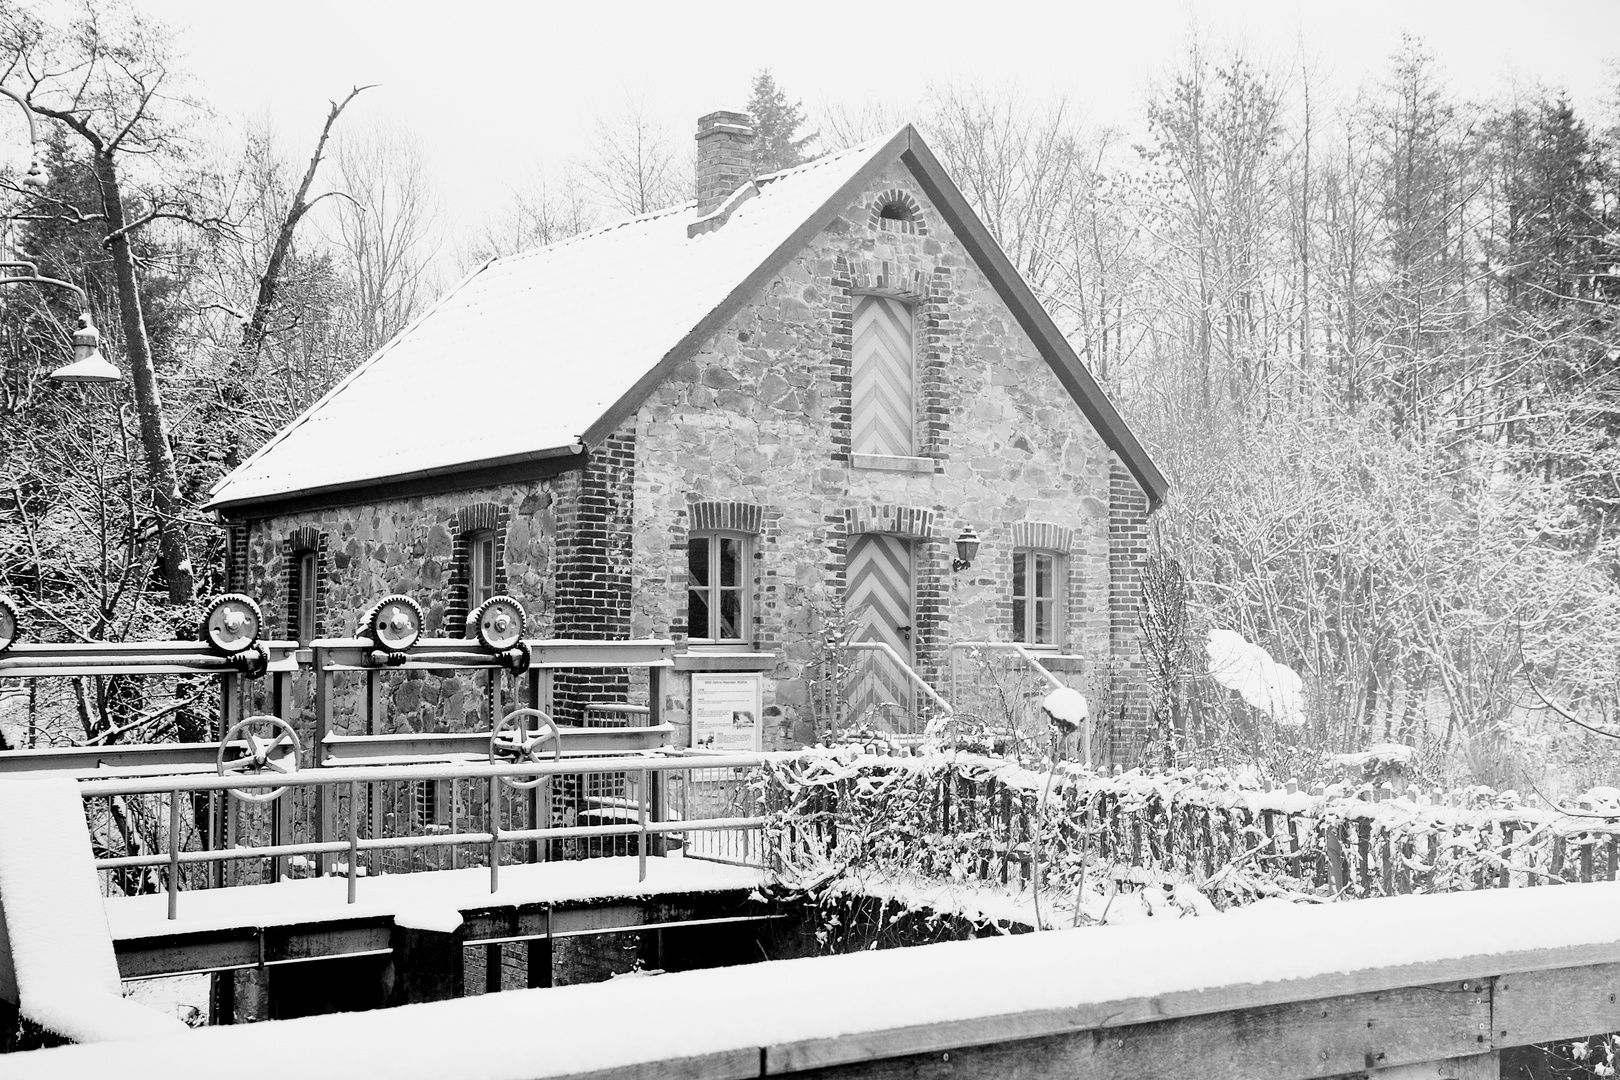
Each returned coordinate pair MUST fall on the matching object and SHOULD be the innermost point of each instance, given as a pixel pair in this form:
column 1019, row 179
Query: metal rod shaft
column 174, row 855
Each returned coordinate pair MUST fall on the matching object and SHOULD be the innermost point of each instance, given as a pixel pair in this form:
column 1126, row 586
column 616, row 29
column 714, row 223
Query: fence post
column 174, row 855
column 1333, row 853
column 354, row 836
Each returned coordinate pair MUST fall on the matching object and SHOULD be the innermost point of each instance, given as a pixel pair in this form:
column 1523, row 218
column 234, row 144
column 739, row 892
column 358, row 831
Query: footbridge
column 1433, row 986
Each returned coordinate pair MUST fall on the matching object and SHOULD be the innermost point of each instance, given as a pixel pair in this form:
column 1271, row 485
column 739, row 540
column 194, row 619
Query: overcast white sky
column 494, row 87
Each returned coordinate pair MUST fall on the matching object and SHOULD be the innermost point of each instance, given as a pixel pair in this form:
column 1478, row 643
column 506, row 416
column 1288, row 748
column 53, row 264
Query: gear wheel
column 394, row 622
column 498, row 623
column 231, row 623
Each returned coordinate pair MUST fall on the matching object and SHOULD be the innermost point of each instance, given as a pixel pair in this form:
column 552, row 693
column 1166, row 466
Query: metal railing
column 646, row 813
column 894, row 674
column 1002, row 682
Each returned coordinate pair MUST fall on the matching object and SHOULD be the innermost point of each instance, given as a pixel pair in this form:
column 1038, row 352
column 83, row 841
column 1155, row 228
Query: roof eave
column 506, row 468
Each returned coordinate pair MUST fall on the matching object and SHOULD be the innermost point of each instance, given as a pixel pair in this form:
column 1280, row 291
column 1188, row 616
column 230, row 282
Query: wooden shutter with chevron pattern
column 879, row 600
column 883, row 407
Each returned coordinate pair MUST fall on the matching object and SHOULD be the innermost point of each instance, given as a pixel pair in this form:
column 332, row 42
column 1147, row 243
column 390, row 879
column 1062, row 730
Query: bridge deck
column 310, row 918
column 1320, row 992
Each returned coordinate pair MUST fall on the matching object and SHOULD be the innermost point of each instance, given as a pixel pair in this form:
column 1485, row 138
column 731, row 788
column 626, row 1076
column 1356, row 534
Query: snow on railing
column 649, row 815
column 962, row 817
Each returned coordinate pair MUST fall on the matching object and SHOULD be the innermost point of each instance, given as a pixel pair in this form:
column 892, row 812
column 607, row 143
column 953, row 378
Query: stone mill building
column 751, row 424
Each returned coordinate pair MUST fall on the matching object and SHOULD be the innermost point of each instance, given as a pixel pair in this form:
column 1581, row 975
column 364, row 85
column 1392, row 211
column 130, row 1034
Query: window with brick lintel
column 717, row 592
column 1036, row 596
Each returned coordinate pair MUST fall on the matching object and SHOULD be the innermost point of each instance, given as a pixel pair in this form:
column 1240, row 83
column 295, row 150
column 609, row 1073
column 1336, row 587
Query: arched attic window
column 896, row 211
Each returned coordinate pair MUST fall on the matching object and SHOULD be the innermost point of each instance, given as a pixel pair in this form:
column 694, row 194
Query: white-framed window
column 717, row 592
column 480, row 567
column 1036, row 597
column 304, row 585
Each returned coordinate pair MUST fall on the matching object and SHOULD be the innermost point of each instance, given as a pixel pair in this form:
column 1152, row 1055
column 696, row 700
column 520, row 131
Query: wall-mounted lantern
column 967, row 546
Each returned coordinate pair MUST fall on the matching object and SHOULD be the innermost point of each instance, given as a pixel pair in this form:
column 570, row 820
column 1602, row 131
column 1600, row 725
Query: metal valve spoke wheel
column 515, row 742
column 259, row 746
column 8, row 624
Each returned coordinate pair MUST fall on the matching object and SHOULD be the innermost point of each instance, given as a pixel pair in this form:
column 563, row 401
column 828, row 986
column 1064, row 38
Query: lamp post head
column 88, row 366
column 35, row 177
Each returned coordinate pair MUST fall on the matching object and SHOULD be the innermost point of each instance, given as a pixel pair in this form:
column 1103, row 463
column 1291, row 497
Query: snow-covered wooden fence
column 964, row 817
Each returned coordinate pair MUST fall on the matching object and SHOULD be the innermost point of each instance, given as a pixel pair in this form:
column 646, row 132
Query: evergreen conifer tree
column 777, row 144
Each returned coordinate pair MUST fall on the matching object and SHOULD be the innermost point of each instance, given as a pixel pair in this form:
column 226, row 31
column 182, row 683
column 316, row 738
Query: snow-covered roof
column 530, row 350
column 538, row 355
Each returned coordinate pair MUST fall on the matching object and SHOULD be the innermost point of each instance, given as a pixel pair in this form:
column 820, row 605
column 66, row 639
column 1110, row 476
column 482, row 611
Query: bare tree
column 632, row 168
column 107, row 76
column 386, row 229
column 270, row 281
column 538, row 215
column 1021, row 166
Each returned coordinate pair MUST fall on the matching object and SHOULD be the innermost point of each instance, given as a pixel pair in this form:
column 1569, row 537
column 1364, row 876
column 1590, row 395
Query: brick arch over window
column 468, row 522
column 930, row 293
column 904, row 213
column 296, row 544
column 1043, row 535
column 713, row 516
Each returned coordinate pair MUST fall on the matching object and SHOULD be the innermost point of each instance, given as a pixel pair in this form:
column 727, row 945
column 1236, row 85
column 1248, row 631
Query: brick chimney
column 725, row 158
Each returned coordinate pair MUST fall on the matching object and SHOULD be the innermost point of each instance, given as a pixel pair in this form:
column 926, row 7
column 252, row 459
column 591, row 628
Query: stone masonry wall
column 761, row 416
column 410, row 546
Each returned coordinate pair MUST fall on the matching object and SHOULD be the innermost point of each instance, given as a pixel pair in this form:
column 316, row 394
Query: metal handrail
column 354, row 776
column 887, row 649
column 1052, row 681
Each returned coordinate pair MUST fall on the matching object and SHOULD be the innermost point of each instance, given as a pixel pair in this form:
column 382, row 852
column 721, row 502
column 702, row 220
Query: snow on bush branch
column 966, row 818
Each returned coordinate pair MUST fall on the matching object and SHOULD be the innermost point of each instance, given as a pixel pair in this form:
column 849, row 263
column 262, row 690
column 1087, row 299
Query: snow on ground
column 1038, row 982
column 184, row 997
column 440, row 892
column 62, row 961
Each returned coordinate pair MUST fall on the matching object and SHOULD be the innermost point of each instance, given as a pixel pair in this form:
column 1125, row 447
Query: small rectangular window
column 716, row 591
column 304, row 587
column 481, row 571
column 1035, row 597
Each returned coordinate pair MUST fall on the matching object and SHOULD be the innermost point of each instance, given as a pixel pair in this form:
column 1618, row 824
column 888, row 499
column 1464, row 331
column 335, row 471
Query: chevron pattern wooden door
column 879, row 599
column 883, row 406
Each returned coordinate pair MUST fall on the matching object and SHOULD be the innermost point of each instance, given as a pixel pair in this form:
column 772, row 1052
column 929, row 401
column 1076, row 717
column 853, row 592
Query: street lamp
column 88, row 365
column 35, row 177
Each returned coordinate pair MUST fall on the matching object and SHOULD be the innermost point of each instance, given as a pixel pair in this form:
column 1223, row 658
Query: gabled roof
column 539, row 355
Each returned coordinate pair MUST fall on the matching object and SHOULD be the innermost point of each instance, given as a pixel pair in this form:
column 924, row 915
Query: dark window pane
column 1018, row 575
column 730, row 614
column 697, row 613
column 482, row 583
column 306, row 597
column 1043, row 576
column 730, row 560
column 697, row 560
column 1019, row 630
column 1043, row 621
